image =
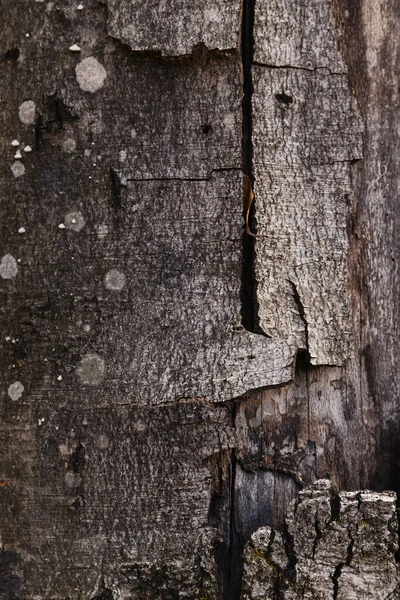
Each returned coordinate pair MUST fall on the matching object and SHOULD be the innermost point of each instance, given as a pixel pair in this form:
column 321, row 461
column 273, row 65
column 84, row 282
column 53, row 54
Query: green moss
column 257, row 554
column 365, row 524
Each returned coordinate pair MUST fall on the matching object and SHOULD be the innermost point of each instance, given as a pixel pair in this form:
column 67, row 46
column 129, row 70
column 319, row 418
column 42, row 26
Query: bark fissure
column 297, row 68
column 302, row 316
column 115, row 189
column 335, row 579
column 250, row 316
column 232, row 588
column 209, row 176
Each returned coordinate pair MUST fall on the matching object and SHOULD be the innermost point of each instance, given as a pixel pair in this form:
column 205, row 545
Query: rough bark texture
column 334, row 547
column 170, row 385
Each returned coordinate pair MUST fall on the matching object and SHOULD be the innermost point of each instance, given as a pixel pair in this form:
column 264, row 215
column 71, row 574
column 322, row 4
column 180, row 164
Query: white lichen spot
column 102, row 230
column 27, row 112
column 59, row 378
column 18, row 154
column 28, row 148
column 114, row 280
column 69, row 145
column 15, row 390
column 86, row 327
column 91, row 370
column 90, row 74
column 8, row 267
column 27, row 35
column 21, row 230
column 17, row 169
column 7, row 338
column 74, row 221
column 80, row 7
column 15, row 143
column 74, row 48
column 61, row 226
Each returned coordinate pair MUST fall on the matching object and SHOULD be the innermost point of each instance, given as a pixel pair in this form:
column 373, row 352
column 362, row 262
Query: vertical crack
column 335, row 578
column 115, row 189
column 250, row 316
column 233, row 587
column 302, row 316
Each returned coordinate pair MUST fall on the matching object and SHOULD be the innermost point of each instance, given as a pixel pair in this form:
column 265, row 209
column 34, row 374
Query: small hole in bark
column 284, row 99
column 77, row 459
column 78, row 503
column 12, row 54
column 207, row 129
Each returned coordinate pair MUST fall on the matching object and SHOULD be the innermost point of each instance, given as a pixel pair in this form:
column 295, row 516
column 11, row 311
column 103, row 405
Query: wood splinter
column 248, row 198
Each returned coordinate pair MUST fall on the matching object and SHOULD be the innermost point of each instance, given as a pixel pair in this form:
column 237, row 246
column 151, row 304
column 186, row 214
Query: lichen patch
column 27, row 112
column 91, row 370
column 90, row 74
column 15, row 390
column 114, row 280
column 8, row 267
column 74, row 221
column 17, row 169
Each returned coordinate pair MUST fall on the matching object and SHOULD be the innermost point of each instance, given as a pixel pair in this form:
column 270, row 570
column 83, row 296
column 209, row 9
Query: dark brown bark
column 169, row 384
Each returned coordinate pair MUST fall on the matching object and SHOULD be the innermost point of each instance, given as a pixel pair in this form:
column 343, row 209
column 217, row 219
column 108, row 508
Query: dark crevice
column 104, row 594
column 77, row 460
column 350, row 547
column 219, row 515
column 58, row 112
column 115, row 189
column 12, row 54
column 335, row 578
column 233, row 587
column 249, row 312
column 303, row 353
column 318, row 535
column 288, row 543
column 284, row 99
column 335, row 507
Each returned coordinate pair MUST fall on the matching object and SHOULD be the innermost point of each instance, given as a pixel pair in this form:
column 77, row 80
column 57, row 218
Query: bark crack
column 250, row 314
column 206, row 178
column 297, row 68
column 302, row 315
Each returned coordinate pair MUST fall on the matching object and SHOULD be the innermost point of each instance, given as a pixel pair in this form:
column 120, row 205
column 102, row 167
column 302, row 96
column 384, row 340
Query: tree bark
column 174, row 389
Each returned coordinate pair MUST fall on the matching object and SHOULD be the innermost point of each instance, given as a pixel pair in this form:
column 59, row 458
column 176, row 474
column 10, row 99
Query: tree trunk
column 176, row 392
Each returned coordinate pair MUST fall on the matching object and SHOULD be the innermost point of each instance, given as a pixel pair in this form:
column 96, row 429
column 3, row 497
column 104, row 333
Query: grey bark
column 169, row 384
column 333, row 546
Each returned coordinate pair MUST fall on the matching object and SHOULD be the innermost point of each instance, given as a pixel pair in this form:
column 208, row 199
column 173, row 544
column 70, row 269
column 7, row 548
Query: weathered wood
column 335, row 547
column 302, row 180
column 140, row 449
column 292, row 33
column 175, row 27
